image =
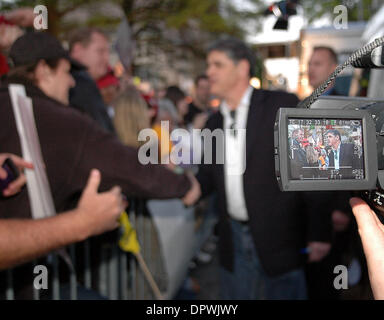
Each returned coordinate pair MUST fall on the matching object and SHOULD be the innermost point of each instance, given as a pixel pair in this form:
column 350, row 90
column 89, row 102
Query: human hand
column 194, row 192
column 16, row 185
column 99, row 212
column 340, row 220
column 318, row 250
column 200, row 120
column 22, row 17
column 8, row 35
column 170, row 165
column 371, row 232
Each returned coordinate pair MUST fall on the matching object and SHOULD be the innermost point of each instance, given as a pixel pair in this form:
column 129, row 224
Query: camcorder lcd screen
column 325, row 149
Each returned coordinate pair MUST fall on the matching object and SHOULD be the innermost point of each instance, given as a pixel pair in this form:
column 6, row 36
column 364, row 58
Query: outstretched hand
column 318, row 250
column 194, row 192
column 22, row 17
column 99, row 212
column 371, row 231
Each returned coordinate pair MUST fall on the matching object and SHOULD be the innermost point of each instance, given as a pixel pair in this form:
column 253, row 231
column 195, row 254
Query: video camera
column 334, row 143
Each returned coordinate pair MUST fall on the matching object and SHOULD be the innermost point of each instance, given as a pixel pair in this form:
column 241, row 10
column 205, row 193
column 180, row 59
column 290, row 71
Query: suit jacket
column 347, row 156
column 281, row 222
column 299, row 154
column 86, row 97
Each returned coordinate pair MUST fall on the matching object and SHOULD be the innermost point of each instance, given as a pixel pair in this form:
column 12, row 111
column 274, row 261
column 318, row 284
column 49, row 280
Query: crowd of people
column 272, row 245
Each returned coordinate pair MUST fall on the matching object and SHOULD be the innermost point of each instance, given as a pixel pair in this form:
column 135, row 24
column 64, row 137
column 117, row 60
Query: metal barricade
column 115, row 276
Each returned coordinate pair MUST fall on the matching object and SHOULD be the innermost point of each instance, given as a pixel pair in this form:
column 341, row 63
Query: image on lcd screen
column 325, row 149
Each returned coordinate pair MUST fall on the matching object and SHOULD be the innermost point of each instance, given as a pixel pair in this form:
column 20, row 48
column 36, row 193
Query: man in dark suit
column 342, row 155
column 261, row 229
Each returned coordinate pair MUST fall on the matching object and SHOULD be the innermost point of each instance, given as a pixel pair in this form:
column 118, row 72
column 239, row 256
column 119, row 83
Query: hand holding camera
column 371, row 231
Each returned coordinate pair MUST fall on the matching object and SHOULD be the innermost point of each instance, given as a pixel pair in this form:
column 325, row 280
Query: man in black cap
column 72, row 144
column 40, row 57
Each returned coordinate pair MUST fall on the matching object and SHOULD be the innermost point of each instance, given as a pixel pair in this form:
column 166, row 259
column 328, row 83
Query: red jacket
column 3, row 65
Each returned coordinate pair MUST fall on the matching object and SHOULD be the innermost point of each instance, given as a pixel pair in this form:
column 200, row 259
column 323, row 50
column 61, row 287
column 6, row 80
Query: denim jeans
column 248, row 281
column 209, row 220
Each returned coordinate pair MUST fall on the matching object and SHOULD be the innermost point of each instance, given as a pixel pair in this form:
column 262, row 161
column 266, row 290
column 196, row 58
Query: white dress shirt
column 235, row 156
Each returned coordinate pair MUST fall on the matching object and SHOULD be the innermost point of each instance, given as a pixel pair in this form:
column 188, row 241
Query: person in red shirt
column 10, row 30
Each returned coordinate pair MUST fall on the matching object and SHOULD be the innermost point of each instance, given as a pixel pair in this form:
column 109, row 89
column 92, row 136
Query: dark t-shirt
column 192, row 112
column 86, row 97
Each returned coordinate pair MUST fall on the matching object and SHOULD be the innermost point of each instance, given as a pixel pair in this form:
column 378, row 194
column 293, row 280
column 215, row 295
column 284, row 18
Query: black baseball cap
column 34, row 46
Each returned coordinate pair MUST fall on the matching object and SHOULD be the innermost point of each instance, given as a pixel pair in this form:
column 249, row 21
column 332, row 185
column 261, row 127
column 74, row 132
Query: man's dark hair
column 335, row 133
column 84, row 36
column 175, row 94
column 236, row 50
column 331, row 52
column 200, row 77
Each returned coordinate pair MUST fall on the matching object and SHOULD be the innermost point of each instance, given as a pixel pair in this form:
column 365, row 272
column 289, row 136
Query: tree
column 180, row 29
column 57, row 10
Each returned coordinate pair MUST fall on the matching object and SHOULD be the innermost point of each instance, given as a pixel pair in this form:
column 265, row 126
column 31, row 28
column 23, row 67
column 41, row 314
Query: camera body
column 12, row 174
column 331, row 146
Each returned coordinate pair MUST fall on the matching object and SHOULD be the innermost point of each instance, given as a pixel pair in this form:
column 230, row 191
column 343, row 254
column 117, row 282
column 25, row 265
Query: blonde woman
column 131, row 116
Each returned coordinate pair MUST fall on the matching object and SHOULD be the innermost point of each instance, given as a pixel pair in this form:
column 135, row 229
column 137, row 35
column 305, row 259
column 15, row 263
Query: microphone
column 372, row 60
